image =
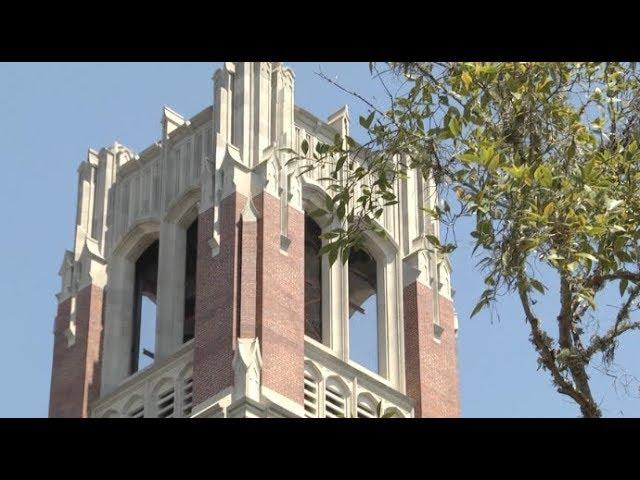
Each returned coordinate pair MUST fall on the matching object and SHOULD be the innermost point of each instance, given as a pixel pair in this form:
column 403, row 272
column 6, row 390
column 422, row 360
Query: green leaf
column 515, row 171
column 329, row 203
column 448, row 248
column 554, row 256
column 586, row 255
column 433, row 240
column 304, row 146
column 619, row 242
column 318, row 213
column 333, row 255
column 326, row 248
column 589, row 298
column 468, row 158
column 466, row 79
column 623, row 256
column 529, row 244
column 454, row 126
column 344, row 255
column 537, row 285
column 543, row 175
column 486, row 154
column 366, row 122
column 482, row 303
column 494, row 162
column 623, row 286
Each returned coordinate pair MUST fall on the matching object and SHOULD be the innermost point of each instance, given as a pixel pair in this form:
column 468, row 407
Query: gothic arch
column 137, row 239
column 184, row 209
column 385, row 251
column 121, row 311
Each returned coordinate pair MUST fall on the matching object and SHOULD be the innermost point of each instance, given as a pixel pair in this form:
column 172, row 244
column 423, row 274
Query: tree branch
column 542, row 343
column 621, row 325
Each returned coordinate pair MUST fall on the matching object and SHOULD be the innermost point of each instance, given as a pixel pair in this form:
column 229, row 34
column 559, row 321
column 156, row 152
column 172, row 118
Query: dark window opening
column 363, row 310
column 312, row 280
column 190, row 282
column 144, row 320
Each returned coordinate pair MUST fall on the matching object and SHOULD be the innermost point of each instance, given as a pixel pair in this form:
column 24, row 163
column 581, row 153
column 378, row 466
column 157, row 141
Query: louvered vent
column 187, row 396
column 365, row 410
column 136, row 412
column 335, row 403
column 165, row 402
column 310, row 396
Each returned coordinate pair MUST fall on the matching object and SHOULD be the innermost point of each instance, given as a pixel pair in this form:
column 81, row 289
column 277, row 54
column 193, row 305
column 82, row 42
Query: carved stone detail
column 247, row 366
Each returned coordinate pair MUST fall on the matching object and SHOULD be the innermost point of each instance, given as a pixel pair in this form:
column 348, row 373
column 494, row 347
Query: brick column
column 281, row 299
column 431, row 366
column 248, row 258
column 216, row 300
column 75, row 376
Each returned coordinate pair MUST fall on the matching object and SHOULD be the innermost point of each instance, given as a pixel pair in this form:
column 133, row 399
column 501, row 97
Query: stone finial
column 247, row 366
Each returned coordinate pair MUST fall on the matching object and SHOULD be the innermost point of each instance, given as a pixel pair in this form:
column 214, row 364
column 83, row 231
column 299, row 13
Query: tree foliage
column 545, row 157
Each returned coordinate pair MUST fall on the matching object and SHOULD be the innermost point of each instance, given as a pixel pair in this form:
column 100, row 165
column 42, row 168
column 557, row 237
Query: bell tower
column 211, row 227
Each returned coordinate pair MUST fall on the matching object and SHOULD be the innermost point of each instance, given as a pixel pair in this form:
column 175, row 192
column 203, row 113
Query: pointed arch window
column 312, row 280
column 363, row 309
column 190, row 282
column 144, row 318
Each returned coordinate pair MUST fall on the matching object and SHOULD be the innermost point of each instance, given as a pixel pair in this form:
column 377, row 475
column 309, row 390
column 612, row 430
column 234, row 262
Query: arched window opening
column 312, row 280
column 146, row 290
column 363, row 310
column 190, row 282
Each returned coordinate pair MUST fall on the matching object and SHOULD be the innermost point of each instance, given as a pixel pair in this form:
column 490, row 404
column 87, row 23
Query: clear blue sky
column 51, row 113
